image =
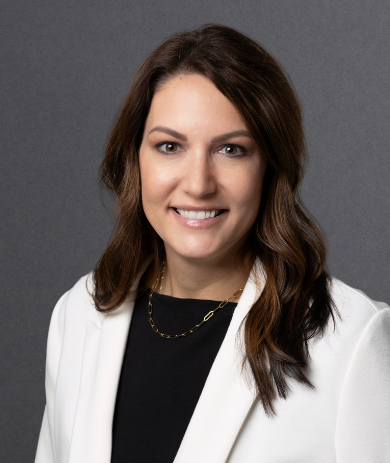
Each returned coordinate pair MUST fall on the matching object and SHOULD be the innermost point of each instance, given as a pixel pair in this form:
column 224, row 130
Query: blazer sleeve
column 46, row 451
column 363, row 422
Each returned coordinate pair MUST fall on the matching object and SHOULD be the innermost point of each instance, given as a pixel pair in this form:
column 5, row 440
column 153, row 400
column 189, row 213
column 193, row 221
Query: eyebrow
column 220, row 138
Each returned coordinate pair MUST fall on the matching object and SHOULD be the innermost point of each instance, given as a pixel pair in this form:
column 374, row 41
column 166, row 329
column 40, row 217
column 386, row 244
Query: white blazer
column 345, row 419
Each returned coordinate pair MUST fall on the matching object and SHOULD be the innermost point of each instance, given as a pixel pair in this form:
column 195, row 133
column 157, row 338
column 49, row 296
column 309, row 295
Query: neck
column 193, row 279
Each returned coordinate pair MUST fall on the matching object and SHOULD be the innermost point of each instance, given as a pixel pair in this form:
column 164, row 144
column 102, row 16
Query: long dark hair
column 295, row 304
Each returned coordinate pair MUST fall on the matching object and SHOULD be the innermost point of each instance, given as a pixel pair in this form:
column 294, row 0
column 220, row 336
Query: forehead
column 193, row 102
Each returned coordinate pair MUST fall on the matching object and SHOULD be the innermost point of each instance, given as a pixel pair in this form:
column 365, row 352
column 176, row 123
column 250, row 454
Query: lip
column 197, row 208
column 199, row 224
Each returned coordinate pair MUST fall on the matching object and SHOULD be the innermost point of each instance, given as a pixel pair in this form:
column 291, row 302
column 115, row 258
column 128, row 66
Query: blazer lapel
column 226, row 398
column 102, row 361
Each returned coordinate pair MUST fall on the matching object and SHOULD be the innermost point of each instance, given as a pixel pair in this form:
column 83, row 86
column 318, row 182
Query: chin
column 195, row 253
column 196, row 256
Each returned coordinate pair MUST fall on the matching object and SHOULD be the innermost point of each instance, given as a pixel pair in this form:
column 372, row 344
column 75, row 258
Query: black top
column 162, row 379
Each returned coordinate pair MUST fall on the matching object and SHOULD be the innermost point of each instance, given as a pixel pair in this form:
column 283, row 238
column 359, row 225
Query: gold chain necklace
column 196, row 327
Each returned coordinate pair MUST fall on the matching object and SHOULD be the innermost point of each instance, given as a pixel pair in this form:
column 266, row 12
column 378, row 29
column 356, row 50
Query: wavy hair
column 295, row 304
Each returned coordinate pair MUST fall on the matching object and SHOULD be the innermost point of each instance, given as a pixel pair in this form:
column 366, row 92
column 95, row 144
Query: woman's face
column 201, row 172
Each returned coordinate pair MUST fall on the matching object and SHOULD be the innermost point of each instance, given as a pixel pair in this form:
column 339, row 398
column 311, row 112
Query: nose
column 199, row 176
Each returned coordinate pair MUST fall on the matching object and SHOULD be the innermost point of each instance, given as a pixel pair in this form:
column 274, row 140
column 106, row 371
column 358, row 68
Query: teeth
column 200, row 215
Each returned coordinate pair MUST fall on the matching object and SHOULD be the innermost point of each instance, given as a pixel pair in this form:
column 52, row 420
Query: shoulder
column 347, row 298
column 68, row 327
column 76, row 306
column 355, row 308
column 359, row 321
column 362, row 347
column 80, row 298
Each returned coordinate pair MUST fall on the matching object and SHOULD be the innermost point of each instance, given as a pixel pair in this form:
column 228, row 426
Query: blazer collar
column 220, row 412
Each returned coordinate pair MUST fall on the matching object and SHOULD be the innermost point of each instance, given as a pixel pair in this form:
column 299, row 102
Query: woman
column 144, row 362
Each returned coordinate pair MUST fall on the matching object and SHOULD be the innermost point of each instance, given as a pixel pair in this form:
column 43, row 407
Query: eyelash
column 243, row 150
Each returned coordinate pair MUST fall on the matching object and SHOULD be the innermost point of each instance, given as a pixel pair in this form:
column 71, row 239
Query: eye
column 168, row 147
column 233, row 150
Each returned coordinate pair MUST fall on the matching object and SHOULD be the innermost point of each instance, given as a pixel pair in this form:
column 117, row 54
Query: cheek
column 156, row 184
column 247, row 190
column 147, row 180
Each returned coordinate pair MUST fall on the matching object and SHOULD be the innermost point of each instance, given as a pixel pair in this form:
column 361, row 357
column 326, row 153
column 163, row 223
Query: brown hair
column 295, row 304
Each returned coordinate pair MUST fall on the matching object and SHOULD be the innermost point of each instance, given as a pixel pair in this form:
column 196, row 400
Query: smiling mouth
column 199, row 215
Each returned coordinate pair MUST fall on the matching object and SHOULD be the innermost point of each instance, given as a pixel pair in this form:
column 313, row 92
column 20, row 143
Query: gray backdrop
column 65, row 68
